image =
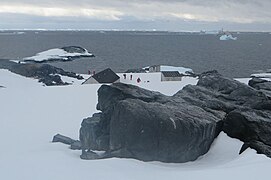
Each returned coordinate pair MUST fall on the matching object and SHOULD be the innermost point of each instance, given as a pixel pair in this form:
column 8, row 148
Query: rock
column 63, row 139
column 89, row 155
column 47, row 74
column 248, row 125
column 260, row 147
column 139, row 70
column 76, row 145
column 149, row 126
column 260, row 84
column 74, row 49
column 91, row 135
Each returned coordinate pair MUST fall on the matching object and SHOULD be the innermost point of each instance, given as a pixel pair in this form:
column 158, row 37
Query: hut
column 106, row 76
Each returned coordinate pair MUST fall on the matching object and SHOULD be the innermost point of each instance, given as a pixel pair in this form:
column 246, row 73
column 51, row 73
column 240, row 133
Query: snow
column 32, row 114
column 152, row 81
column 56, row 53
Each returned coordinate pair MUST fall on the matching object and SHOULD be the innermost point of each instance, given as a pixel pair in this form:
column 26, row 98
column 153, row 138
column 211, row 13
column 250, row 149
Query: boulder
column 260, row 147
column 76, row 145
column 149, row 126
column 249, row 125
column 63, row 139
column 260, row 84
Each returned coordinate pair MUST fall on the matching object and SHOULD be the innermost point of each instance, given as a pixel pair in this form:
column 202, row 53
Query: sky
column 167, row 15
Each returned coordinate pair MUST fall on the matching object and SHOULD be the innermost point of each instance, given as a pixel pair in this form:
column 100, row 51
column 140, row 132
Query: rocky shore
column 45, row 73
column 149, row 126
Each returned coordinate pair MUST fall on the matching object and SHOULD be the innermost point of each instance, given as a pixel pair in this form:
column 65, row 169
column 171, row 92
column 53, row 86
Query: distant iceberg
column 59, row 54
column 226, row 37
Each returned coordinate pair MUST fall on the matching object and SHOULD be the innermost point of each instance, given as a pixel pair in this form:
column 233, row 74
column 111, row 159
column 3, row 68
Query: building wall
column 163, row 78
column 154, row 69
column 117, row 81
column 91, row 80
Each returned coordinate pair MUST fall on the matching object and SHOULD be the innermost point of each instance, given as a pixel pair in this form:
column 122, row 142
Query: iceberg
column 226, row 37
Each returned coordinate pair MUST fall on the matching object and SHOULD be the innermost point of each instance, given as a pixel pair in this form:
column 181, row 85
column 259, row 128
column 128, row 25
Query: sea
column 123, row 50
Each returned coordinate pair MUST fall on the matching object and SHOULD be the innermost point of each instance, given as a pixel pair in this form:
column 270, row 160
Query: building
column 171, row 76
column 155, row 68
column 106, row 76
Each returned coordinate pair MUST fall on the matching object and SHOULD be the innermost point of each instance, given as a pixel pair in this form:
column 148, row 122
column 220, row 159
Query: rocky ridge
column 45, row 73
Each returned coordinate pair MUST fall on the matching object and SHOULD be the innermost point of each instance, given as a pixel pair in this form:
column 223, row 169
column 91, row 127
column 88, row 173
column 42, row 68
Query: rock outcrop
column 146, row 125
column 74, row 144
column 260, row 84
column 68, row 53
column 45, row 73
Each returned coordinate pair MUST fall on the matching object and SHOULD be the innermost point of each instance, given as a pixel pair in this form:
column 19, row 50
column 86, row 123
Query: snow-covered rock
column 59, row 54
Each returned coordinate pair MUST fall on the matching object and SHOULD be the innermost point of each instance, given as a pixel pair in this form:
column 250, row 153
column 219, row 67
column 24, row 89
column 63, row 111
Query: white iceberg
column 226, row 37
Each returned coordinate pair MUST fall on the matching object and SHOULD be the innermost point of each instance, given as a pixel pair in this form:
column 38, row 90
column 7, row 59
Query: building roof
column 171, row 73
column 106, row 76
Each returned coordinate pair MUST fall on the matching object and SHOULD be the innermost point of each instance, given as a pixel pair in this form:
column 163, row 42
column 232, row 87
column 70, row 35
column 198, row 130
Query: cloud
column 195, row 11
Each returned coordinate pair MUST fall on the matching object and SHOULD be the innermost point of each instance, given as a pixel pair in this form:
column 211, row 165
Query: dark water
column 126, row 50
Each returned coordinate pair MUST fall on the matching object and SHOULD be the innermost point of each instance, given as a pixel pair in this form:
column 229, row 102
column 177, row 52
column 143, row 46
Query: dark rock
column 89, row 155
column 255, row 81
column 91, row 135
column 76, row 145
column 63, row 139
column 139, row 70
column 47, row 74
column 260, row 84
column 146, row 125
column 74, row 49
column 248, row 125
column 260, row 147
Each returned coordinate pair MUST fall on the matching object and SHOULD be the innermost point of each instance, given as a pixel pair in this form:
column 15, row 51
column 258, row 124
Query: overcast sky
column 173, row 15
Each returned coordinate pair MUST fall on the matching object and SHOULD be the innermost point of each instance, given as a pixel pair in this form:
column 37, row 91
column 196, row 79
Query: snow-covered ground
column 56, row 53
column 152, row 81
column 32, row 114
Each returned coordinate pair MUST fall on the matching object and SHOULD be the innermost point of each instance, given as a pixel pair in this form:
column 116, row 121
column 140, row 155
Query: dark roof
column 106, row 76
column 171, row 74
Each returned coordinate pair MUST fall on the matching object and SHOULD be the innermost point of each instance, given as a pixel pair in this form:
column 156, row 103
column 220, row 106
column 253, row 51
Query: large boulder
column 260, row 84
column 146, row 125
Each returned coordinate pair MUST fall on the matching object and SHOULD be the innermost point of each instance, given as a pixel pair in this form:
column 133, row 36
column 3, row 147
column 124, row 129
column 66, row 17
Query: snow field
column 32, row 114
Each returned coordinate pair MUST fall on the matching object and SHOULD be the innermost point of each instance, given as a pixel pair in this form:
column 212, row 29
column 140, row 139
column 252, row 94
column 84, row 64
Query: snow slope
column 32, row 114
